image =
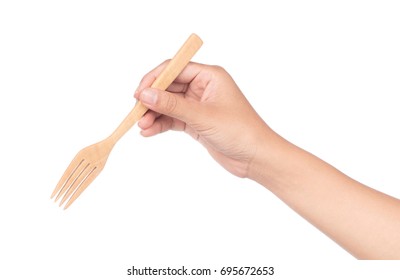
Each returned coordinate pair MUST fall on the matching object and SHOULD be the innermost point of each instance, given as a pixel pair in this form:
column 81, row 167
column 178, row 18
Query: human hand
column 205, row 102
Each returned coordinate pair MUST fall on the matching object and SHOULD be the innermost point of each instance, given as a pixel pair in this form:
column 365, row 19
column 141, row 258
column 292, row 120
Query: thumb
column 167, row 103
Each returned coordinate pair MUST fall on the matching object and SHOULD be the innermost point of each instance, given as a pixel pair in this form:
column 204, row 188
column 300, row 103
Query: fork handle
column 166, row 77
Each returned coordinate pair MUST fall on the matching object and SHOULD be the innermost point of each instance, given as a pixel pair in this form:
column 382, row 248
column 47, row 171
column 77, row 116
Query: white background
column 323, row 74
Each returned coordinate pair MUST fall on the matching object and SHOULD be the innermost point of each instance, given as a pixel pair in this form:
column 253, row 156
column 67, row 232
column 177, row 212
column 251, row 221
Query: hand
column 206, row 103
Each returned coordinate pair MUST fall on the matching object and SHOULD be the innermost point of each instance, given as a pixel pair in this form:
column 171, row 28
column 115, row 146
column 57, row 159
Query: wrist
column 271, row 162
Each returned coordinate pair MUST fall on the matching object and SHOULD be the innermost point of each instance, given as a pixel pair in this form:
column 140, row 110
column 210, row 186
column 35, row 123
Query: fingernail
column 149, row 96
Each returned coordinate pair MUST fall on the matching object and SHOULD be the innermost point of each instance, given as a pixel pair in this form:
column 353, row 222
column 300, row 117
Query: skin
column 205, row 102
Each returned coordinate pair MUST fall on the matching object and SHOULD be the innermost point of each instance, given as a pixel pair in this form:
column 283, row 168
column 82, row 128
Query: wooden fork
column 90, row 161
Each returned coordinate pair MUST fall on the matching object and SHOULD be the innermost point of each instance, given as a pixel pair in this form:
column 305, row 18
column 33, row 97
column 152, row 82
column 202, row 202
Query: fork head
column 83, row 169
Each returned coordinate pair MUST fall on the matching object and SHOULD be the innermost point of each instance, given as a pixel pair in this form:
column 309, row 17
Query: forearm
column 363, row 221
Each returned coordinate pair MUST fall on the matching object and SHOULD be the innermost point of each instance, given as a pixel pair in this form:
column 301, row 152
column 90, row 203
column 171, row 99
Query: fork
column 90, row 161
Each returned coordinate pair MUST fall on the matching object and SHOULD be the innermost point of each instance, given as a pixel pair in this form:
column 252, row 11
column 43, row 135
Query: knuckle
column 171, row 103
column 219, row 69
column 147, row 79
column 163, row 64
column 166, row 62
column 151, row 76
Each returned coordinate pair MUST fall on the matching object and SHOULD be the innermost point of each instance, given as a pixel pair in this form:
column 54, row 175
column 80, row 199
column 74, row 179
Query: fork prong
column 74, row 165
column 85, row 183
column 79, row 177
column 72, row 179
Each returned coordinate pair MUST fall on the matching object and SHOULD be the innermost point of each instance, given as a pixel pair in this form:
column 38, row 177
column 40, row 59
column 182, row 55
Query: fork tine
column 80, row 176
column 65, row 178
column 85, row 183
column 72, row 179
